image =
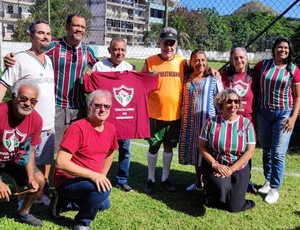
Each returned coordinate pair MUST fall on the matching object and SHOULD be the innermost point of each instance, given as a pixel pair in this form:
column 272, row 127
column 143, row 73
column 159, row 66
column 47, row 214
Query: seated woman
column 227, row 143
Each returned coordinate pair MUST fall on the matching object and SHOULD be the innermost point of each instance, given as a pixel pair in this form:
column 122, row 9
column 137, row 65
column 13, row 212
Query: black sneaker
column 55, row 207
column 28, row 219
column 125, row 187
column 149, row 188
column 168, row 186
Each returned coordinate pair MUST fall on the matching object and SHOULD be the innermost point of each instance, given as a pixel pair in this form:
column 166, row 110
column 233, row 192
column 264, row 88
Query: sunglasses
column 74, row 55
column 236, row 101
column 24, row 99
column 168, row 43
column 99, row 106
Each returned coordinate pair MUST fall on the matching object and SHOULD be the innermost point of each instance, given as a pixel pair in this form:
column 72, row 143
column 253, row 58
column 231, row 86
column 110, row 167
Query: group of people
column 176, row 102
column 262, row 101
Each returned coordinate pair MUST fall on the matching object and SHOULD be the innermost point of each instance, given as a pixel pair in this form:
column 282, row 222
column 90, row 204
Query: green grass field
column 180, row 210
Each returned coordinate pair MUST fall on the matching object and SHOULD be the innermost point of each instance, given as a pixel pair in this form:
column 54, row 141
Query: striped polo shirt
column 228, row 139
column 276, row 85
column 69, row 64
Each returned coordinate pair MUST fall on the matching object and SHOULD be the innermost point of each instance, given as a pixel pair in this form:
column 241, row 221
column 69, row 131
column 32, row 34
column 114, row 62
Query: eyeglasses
column 99, row 106
column 74, row 55
column 24, row 99
column 236, row 101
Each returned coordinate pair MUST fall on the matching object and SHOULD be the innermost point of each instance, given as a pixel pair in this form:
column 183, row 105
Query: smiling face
column 41, row 37
column 75, row 30
column 25, row 101
column 199, row 63
column 167, row 49
column 99, row 109
column 117, row 52
column 281, row 51
column 239, row 60
column 231, row 106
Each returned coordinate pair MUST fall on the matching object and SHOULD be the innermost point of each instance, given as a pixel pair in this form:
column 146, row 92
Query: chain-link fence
column 214, row 26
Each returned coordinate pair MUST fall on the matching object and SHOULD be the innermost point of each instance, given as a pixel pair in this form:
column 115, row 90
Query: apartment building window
column 10, row 9
column 138, row 13
column 10, row 28
column 155, row 13
column 113, row 23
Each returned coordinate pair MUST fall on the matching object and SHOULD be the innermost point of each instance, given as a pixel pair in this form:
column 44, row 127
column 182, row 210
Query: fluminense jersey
column 228, row 140
column 165, row 102
column 17, row 134
column 129, row 112
column 29, row 67
column 276, row 85
column 246, row 88
column 69, row 65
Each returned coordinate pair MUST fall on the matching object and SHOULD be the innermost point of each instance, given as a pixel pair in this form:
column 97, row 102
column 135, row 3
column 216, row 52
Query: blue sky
column 229, row 6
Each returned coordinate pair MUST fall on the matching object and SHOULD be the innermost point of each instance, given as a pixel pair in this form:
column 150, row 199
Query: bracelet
column 214, row 163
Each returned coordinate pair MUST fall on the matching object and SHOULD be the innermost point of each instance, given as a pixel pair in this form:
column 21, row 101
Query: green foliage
column 151, row 36
column 189, row 24
column 59, row 10
column 20, row 34
column 211, row 31
column 296, row 44
column 7, row 95
column 217, row 37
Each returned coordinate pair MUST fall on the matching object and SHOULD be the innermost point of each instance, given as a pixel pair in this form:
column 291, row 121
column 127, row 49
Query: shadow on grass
column 189, row 202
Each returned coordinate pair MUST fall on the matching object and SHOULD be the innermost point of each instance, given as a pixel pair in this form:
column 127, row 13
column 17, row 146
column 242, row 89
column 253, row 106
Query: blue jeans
column 274, row 143
column 124, row 161
column 90, row 201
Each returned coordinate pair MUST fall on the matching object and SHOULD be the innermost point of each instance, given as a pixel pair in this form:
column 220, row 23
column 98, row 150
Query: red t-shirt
column 88, row 147
column 15, row 132
column 129, row 112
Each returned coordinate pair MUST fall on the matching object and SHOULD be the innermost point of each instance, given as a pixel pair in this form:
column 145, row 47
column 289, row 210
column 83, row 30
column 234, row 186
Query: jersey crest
column 240, row 87
column 123, row 95
column 12, row 139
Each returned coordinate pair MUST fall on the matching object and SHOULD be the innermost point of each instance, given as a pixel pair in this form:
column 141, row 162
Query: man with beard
column 69, row 58
column 20, row 129
column 35, row 65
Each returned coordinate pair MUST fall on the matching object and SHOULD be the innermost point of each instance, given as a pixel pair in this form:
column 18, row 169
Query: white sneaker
column 272, row 196
column 45, row 200
column 265, row 188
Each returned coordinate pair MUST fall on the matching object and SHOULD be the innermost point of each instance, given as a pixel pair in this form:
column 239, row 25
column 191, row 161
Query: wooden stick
column 23, row 192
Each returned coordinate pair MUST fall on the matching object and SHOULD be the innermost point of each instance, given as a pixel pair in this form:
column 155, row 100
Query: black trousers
column 227, row 193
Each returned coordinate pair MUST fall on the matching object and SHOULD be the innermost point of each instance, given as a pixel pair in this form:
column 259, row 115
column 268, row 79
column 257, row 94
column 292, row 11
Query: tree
column 59, row 9
column 184, row 38
column 187, row 22
column 151, row 36
column 218, row 36
column 295, row 39
column 20, row 34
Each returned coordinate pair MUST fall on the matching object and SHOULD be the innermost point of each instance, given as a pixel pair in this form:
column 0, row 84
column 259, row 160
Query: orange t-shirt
column 165, row 102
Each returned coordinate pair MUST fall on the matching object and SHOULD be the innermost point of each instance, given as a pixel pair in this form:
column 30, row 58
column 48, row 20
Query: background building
column 10, row 12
